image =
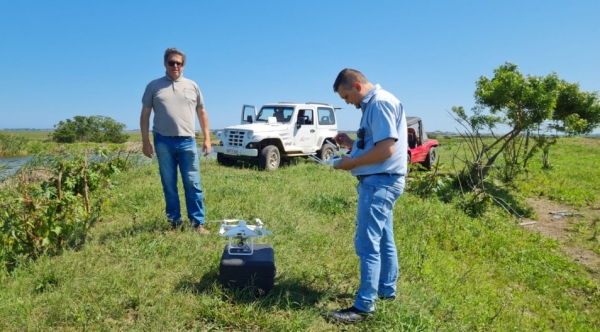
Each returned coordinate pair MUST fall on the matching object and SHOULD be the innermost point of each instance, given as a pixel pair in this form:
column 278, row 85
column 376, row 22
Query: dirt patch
column 556, row 221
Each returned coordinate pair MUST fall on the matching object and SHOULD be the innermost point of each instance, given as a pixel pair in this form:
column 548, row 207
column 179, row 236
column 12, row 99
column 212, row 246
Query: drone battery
column 256, row 271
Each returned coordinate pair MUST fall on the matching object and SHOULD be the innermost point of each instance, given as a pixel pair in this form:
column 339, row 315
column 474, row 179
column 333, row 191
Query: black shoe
column 350, row 315
column 175, row 225
column 388, row 298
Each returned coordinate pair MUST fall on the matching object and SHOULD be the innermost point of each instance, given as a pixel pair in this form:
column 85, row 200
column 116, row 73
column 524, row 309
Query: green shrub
column 98, row 129
column 48, row 216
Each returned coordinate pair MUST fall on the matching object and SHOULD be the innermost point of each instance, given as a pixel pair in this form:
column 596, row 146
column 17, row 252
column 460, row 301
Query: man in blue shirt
column 378, row 159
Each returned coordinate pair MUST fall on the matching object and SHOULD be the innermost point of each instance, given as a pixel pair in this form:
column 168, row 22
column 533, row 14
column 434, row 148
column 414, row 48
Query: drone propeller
column 263, row 231
column 241, row 232
column 224, row 221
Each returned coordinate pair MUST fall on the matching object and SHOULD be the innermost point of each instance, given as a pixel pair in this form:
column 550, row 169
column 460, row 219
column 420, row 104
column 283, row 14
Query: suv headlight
column 249, row 134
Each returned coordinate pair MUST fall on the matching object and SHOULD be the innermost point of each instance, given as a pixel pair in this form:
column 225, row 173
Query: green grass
column 36, row 143
column 32, row 135
column 573, row 177
column 572, row 180
column 457, row 273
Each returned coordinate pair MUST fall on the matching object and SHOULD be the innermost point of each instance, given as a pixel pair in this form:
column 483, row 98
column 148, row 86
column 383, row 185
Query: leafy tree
column 96, row 128
column 576, row 112
column 536, row 110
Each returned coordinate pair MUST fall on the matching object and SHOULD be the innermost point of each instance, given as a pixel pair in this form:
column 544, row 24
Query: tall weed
column 11, row 145
column 44, row 209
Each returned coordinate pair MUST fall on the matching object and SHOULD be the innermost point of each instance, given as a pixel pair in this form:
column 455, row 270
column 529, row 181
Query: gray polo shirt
column 174, row 103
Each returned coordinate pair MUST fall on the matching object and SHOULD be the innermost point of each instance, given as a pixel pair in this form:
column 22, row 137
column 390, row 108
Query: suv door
column 305, row 133
column 418, row 151
column 248, row 113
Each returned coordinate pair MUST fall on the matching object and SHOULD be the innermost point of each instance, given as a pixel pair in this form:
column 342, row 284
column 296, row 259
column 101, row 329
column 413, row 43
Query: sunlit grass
column 573, row 177
column 457, row 273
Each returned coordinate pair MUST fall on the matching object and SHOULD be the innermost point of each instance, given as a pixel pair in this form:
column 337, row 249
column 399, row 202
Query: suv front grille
column 235, row 138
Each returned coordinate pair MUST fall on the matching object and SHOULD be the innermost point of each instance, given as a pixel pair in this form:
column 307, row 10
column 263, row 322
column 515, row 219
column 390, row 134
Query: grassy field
column 34, row 135
column 37, row 142
column 42, row 135
column 457, row 273
column 572, row 178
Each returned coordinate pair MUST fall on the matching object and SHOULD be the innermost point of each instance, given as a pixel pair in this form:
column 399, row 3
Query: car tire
column 222, row 160
column 269, row 158
column 326, row 152
column 431, row 157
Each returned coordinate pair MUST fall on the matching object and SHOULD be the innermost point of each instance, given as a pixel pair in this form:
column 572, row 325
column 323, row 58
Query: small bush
column 38, row 218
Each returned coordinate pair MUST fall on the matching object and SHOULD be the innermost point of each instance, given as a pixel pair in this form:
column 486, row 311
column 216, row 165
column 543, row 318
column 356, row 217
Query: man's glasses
column 172, row 63
column 361, row 136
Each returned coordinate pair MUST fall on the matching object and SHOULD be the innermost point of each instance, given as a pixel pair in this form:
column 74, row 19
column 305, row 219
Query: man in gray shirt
column 174, row 100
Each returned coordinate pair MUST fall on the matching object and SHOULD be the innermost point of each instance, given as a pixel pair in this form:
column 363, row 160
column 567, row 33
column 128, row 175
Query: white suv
column 277, row 132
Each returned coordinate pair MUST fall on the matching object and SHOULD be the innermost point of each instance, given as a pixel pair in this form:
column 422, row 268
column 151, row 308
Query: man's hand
column 147, row 149
column 343, row 139
column 206, row 147
column 347, row 164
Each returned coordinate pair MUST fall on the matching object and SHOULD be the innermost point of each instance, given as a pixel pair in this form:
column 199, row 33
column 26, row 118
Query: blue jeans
column 374, row 238
column 183, row 152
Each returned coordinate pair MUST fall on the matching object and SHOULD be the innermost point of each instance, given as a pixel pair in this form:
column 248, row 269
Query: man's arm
column 145, row 128
column 203, row 118
column 380, row 152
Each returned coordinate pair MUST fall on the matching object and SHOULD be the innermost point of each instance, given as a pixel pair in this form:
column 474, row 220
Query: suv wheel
column 222, row 160
column 430, row 160
column 326, row 152
column 269, row 158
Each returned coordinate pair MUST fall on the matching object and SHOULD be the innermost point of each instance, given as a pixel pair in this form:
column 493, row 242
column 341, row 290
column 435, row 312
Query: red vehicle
column 420, row 148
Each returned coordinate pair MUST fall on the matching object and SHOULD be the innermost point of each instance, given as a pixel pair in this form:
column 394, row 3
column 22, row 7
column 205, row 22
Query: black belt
column 360, row 177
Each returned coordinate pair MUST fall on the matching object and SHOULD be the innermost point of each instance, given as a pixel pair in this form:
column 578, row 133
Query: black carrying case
column 256, row 270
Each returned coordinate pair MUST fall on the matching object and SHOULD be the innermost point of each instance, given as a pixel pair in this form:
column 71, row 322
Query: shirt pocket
column 190, row 94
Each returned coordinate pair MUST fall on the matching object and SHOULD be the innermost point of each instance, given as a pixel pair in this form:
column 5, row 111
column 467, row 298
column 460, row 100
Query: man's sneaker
column 387, row 298
column 202, row 230
column 350, row 315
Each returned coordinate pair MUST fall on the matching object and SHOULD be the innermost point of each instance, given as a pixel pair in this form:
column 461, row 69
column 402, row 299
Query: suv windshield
column 282, row 114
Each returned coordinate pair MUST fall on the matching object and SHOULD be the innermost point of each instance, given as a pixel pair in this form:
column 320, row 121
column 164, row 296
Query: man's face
column 174, row 66
column 351, row 96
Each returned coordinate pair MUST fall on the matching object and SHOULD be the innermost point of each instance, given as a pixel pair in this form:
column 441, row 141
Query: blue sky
column 61, row 58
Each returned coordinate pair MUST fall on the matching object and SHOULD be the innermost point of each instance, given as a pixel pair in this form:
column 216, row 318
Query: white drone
column 242, row 233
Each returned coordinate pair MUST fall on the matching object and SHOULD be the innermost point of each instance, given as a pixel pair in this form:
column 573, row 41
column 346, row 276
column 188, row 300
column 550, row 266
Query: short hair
column 346, row 79
column 173, row 50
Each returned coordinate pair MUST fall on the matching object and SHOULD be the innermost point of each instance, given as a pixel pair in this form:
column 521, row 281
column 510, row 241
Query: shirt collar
column 365, row 101
column 170, row 79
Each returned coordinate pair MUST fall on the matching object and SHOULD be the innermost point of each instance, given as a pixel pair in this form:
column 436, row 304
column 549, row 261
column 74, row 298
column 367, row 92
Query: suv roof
column 411, row 120
column 294, row 103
